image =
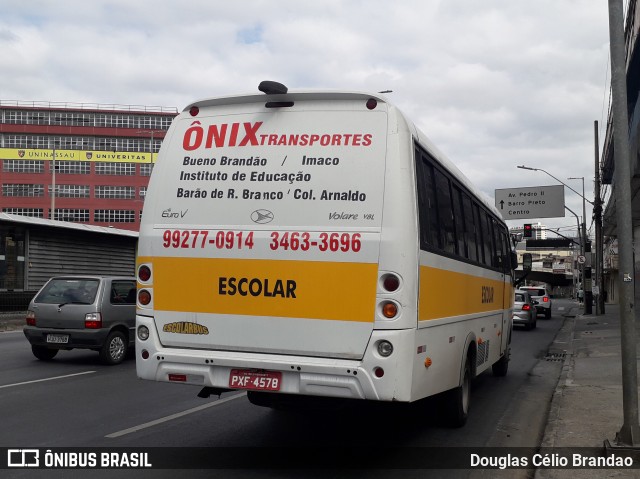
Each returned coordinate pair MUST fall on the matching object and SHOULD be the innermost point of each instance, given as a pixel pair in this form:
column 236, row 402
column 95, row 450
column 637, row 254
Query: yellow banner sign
column 447, row 293
column 75, row 155
column 292, row 289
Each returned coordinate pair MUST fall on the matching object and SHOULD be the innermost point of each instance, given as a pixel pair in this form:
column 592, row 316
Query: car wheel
column 535, row 323
column 43, row 353
column 114, row 349
column 547, row 313
column 459, row 399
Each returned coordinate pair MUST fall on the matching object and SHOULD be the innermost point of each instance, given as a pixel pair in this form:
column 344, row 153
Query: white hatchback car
column 541, row 295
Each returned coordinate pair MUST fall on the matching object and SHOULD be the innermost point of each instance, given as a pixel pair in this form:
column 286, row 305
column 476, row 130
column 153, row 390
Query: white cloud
column 493, row 83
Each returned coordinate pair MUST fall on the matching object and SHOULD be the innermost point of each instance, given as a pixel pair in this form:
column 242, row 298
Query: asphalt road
column 74, row 401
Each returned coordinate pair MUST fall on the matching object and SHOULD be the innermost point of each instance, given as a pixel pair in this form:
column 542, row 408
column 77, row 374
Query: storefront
column 33, row 249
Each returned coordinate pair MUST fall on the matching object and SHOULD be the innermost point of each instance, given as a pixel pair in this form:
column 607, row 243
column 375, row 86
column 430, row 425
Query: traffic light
column 527, row 231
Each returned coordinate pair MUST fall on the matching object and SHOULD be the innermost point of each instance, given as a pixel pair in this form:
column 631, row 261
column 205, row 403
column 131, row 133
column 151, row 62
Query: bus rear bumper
column 311, row 376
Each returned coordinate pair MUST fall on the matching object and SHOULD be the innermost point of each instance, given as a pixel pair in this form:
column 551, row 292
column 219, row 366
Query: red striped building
column 84, row 163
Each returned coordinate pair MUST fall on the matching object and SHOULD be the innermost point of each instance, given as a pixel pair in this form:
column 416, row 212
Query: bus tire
column 258, row 398
column 277, row 401
column 459, row 399
column 501, row 367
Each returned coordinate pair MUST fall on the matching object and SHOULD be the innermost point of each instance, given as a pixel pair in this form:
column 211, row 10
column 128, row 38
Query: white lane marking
column 46, row 379
column 173, row 416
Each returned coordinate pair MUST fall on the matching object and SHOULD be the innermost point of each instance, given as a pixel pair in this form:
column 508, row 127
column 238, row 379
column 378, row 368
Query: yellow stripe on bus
column 447, row 293
column 294, row 289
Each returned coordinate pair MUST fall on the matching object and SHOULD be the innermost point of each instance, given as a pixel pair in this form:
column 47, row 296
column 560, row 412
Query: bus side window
column 479, row 232
column 498, row 249
column 469, row 227
column 463, row 250
column 487, row 238
column 427, row 205
column 507, row 252
column 494, row 247
column 445, row 213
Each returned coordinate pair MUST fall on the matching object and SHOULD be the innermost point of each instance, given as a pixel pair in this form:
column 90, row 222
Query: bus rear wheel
column 459, row 399
column 501, row 367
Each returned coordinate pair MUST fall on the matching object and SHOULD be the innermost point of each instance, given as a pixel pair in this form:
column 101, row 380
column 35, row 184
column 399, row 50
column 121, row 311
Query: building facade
column 81, row 163
column 612, row 276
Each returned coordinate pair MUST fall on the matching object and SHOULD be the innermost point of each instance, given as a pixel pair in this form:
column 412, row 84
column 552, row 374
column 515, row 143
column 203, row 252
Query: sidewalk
column 12, row 321
column 586, row 409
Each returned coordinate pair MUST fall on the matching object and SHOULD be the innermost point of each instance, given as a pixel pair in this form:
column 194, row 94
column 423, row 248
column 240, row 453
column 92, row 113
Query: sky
column 493, row 83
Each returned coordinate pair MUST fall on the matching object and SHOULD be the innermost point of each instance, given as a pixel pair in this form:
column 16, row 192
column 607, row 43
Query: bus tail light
column 389, row 309
column 390, row 282
column 378, row 372
column 144, row 273
column 144, row 297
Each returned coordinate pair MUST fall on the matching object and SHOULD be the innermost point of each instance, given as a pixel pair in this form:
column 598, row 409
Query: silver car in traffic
column 524, row 309
column 85, row 312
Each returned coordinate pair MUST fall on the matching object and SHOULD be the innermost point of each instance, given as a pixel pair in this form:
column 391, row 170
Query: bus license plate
column 58, row 338
column 255, row 380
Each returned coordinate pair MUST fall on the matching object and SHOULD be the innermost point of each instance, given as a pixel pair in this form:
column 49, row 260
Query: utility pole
column 629, row 434
column 597, row 212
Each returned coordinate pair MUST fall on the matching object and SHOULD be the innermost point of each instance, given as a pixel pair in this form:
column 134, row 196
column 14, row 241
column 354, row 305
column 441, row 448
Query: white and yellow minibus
column 298, row 244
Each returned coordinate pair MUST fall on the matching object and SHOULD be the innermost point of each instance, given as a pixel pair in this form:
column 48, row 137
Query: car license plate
column 255, row 380
column 58, row 338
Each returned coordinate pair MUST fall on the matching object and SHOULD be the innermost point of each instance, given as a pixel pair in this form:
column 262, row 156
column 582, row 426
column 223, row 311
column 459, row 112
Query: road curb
column 550, row 431
column 513, row 431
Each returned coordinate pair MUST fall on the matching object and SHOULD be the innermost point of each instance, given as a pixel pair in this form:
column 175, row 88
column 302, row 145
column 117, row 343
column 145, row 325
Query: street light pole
column 597, row 215
column 152, row 132
column 582, row 243
column 586, row 270
column 559, row 181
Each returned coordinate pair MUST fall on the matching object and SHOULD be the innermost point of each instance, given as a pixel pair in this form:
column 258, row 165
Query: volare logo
column 21, row 153
column 262, row 216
